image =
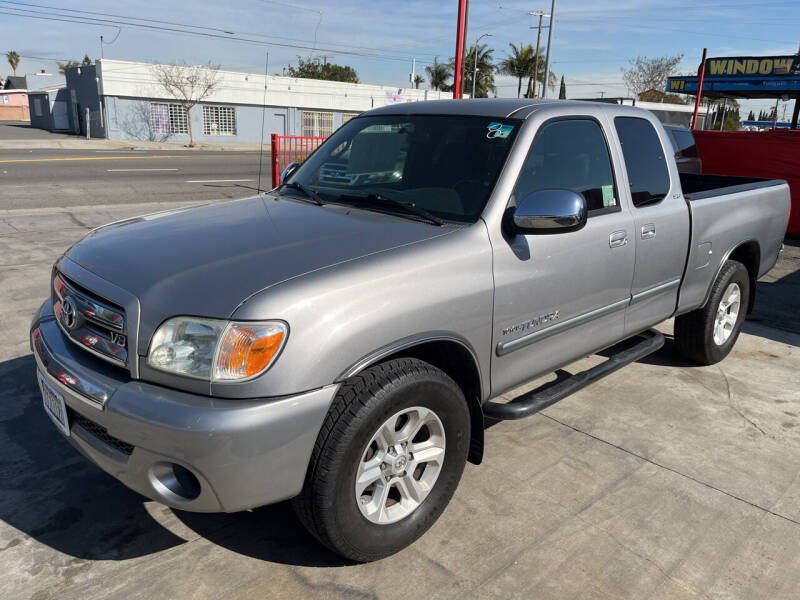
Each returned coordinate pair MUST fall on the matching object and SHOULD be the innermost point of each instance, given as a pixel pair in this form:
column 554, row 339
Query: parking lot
column 663, row 481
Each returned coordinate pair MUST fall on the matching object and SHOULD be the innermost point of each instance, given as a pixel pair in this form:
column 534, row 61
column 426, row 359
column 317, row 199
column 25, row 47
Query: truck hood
column 207, row 260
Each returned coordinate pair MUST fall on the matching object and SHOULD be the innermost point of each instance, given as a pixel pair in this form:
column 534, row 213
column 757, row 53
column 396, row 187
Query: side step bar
column 547, row 395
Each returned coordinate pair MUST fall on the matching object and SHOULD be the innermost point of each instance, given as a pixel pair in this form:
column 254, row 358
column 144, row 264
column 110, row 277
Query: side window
column 644, row 160
column 685, row 141
column 572, row 155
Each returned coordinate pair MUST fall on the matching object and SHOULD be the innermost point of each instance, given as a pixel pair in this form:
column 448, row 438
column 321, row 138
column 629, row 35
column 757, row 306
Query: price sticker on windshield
column 498, row 130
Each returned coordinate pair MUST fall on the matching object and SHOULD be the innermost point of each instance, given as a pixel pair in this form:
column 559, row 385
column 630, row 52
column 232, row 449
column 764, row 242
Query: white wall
column 138, row 80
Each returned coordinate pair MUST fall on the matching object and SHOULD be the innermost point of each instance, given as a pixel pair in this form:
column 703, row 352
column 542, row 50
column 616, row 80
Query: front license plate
column 54, row 405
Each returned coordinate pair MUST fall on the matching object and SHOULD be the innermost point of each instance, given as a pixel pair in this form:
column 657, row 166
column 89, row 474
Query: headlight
column 215, row 349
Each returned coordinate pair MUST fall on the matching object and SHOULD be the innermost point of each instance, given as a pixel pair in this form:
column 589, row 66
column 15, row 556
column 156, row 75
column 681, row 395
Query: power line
column 228, row 32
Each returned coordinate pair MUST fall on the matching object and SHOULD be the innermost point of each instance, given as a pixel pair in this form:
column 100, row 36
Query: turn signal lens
column 247, row 349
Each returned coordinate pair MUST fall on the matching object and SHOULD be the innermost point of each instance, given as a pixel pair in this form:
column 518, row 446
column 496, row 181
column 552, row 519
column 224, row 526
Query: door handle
column 648, row 231
column 618, row 238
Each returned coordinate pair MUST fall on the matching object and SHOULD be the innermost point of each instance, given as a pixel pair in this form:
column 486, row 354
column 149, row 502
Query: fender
column 725, row 258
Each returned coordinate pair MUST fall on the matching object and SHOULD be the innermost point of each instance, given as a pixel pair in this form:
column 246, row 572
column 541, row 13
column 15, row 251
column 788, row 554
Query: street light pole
column 549, row 46
column 475, row 68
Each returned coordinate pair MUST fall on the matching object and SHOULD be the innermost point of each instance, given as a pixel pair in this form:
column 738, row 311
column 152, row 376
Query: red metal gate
column 287, row 149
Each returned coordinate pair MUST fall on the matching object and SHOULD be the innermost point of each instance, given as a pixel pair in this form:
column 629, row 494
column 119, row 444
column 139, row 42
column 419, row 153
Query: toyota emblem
column 69, row 313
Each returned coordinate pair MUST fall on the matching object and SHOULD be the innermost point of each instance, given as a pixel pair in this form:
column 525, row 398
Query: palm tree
column 518, row 64
column 13, row 60
column 418, row 79
column 438, row 74
column 552, row 80
column 484, row 83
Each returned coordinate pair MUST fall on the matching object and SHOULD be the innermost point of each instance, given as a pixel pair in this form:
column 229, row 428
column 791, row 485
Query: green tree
column 519, row 64
column 70, row 64
column 659, row 96
column 751, row 116
column 438, row 74
column 86, row 61
column 313, row 68
column 418, row 79
column 562, row 92
column 13, row 60
column 484, row 82
column 552, row 80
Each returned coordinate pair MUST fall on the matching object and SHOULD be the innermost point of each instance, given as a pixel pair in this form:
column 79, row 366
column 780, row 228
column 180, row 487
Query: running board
column 547, row 395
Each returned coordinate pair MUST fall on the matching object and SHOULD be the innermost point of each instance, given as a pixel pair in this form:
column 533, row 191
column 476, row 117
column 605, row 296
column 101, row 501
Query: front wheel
column 707, row 335
column 387, row 459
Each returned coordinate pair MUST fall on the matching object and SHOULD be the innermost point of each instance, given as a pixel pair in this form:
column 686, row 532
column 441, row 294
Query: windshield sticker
column 608, row 196
column 498, row 130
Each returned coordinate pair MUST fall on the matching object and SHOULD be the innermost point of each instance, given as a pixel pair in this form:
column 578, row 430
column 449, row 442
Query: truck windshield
column 445, row 165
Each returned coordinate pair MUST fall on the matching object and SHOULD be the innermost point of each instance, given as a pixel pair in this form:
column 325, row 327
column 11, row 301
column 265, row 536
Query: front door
column 561, row 296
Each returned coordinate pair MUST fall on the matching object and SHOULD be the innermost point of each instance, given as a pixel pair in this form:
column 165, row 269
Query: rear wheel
column 387, row 460
column 707, row 335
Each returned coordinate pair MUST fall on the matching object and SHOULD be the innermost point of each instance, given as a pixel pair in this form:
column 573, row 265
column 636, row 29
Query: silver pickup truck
column 340, row 339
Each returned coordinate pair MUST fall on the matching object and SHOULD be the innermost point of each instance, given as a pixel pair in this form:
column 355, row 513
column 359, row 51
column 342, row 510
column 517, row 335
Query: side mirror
column 287, row 172
column 549, row 211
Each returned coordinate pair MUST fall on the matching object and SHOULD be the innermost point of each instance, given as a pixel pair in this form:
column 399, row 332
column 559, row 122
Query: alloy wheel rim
column 727, row 313
column 400, row 465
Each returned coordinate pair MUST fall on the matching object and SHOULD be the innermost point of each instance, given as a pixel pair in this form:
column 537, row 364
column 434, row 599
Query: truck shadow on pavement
column 52, row 494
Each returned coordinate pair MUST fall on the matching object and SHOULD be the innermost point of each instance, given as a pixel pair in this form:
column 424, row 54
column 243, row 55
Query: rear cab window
column 648, row 174
column 570, row 154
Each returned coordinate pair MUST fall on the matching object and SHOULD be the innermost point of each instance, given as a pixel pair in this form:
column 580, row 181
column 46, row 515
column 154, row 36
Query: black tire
column 694, row 331
column 327, row 506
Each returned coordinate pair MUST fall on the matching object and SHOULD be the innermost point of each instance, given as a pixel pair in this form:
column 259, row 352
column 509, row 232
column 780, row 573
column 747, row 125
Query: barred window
column 219, row 120
column 347, row 116
column 168, row 118
column 317, row 124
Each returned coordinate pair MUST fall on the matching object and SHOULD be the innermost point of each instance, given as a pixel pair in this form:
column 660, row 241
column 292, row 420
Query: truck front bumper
column 188, row 451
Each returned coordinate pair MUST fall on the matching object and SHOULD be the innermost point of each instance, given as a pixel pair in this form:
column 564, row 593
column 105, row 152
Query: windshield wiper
column 408, row 207
column 312, row 195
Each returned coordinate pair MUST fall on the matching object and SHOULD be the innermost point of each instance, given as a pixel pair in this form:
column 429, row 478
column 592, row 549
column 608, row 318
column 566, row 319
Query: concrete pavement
column 663, row 481
column 19, row 135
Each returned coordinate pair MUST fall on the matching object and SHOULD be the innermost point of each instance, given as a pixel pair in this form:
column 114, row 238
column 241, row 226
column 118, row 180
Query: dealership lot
column 665, row 480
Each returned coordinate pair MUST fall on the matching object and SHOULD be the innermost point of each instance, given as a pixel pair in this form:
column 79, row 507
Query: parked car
column 340, row 340
column 686, row 155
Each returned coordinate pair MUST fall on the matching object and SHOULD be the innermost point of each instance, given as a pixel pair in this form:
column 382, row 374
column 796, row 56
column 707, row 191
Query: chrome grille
column 93, row 323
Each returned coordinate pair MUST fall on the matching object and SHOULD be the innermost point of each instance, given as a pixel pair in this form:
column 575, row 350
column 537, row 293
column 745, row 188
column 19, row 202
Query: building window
column 219, row 120
column 317, row 124
column 347, row 116
column 168, row 118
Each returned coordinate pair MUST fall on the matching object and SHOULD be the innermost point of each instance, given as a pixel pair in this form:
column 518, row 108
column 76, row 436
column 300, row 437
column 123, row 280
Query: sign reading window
column 219, row 120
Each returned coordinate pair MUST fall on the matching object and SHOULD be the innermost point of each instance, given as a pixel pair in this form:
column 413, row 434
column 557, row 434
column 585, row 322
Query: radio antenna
column 263, row 113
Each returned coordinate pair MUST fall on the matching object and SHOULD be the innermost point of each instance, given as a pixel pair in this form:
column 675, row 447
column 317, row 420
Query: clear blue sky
column 592, row 40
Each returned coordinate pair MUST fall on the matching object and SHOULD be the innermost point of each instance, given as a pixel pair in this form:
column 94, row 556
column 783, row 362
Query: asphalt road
column 45, row 178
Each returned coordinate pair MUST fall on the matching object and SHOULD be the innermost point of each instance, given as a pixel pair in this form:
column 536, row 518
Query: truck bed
column 701, row 186
column 733, row 211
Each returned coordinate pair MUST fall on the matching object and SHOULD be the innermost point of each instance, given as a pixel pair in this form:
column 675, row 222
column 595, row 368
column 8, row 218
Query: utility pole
column 101, row 47
column 549, row 47
column 724, row 106
column 540, row 14
column 413, row 70
column 325, row 58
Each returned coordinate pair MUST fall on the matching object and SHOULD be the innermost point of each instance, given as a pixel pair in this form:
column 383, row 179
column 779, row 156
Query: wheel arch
column 747, row 252
column 453, row 355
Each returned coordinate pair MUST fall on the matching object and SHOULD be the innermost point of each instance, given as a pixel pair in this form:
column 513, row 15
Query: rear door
column 563, row 295
column 661, row 222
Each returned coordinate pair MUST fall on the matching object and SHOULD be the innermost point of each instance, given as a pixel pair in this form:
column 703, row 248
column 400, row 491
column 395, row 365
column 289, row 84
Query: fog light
column 174, row 482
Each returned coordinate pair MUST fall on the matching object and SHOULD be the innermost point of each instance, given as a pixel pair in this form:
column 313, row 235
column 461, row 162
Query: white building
column 126, row 101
